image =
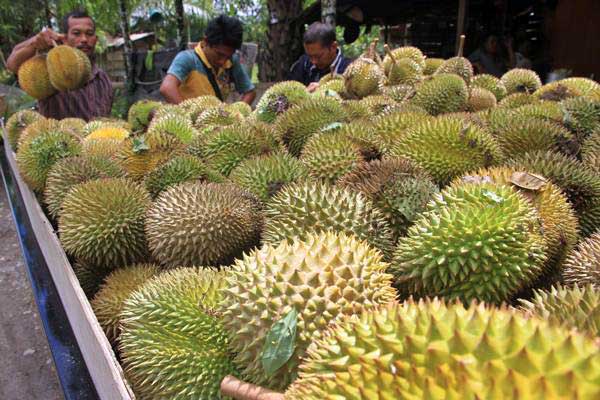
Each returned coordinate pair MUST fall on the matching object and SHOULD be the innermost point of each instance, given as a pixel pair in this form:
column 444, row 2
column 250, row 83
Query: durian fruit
column 90, row 276
column 591, row 146
column 105, row 148
column 583, row 86
column 521, row 80
column 398, row 93
column 264, row 176
column 448, row 147
column 73, row 126
column 478, row 241
column 522, row 135
column 103, row 123
column 299, row 123
column 431, row 65
column 217, row 117
column 279, row 98
column 329, row 155
column 173, row 346
column 560, row 228
column 240, row 107
column 576, row 307
column 37, row 155
column 556, row 91
column 363, row 77
column 301, row 208
column 362, row 136
column 140, row 113
column 102, row 222
column 335, row 84
column 108, row 132
column 197, row 105
column 430, row 350
column 443, row 93
column 174, row 125
column 68, row 68
column 376, row 104
column 72, row 171
column 322, row 278
column 491, row 83
column 33, row 78
column 403, row 71
column 481, row 99
column 581, row 115
column 412, row 53
column 582, row 266
column 592, row 162
column 225, row 148
column 118, row 286
column 202, row 224
column 178, row 170
column 549, row 110
column 460, row 66
column 36, row 128
column 165, row 110
column 17, row 123
column 396, row 186
column 580, row 185
column 389, row 128
column 518, row 99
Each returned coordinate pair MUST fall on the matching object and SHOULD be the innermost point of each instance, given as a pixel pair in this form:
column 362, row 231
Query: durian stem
column 332, row 72
column 461, row 46
column 389, row 53
column 240, row 390
column 376, row 57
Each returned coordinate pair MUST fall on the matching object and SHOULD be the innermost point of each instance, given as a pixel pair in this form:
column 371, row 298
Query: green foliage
column 355, row 49
column 120, row 104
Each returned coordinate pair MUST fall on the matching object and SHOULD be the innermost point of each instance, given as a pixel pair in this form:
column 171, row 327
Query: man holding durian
column 66, row 82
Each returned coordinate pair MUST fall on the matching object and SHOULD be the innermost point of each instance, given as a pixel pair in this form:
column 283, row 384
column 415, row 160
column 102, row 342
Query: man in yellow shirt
column 211, row 68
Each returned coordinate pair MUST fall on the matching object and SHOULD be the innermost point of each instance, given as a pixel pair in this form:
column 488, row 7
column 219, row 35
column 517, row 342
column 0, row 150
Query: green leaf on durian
column 280, row 343
column 139, row 145
column 493, row 196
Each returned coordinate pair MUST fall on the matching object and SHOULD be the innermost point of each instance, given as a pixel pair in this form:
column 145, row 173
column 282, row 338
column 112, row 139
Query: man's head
column 80, row 31
column 223, row 36
column 320, row 44
column 490, row 44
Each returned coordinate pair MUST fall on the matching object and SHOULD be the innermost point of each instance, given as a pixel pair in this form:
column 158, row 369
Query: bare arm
column 27, row 49
column 169, row 88
column 248, row 97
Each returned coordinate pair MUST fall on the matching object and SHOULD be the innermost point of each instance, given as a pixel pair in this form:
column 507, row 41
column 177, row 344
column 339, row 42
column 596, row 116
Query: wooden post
column 460, row 23
column 328, row 12
column 127, row 48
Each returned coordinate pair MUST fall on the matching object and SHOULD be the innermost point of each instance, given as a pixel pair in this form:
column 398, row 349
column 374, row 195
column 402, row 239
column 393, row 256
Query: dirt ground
column 26, row 370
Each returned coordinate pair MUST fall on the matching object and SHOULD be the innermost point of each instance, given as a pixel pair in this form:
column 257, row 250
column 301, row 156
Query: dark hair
column 321, row 33
column 225, row 30
column 77, row 13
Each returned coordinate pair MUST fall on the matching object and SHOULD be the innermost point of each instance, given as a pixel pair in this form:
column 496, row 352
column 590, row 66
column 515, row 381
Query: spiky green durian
column 581, row 115
column 172, row 344
column 197, row 105
column 103, row 123
column 410, row 52
column 430, row 350
column 476, row 241
column 68, row 68
column 356, row 110
column 523, row 135
column 105, row 148
column 556, row 91
column 118, row 286
column 584, row 86
column 140, row 113
column 202, row 224
column 266, row 175
column 36, row 128
column 431, row 65
column 460, row 66
column 102, row 222
column 299, row 123
column 576, row 307
column 336, row 84
column 396, row 186
column 481, row 99
column 581, row 185
column 549, row 110
column 329, row 155
column 37, row 155
column 591, row 146
column 301, row 208
column 322, row 278
column 90, row 276
column 376, row 104
column 518, row 99
column 225, row 148
column 491, row 83
column 363, row 77
column 398, row 93
column 389, row 128
column 442, row 93
column 582, row 266
column 279, row 98
column 521, row 80
column 17, row 123
column 361, row 135
column 73, row 126
column 164, row 110
column 448, row 147
column 72, row 171
column 402, row 71
column 34, row 79
column 178, row 170
column 239, row 107
column 108, row 132
column 174, row 125
column 217, row 117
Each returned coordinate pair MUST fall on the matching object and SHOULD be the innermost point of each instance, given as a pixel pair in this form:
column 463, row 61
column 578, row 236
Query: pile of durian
column 408, row 231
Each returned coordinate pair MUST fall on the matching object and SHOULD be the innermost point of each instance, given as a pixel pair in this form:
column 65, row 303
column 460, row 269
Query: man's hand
column 46, row 39
column 312, row 87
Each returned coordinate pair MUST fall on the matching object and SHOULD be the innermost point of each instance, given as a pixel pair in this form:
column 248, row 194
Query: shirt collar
column 334, row 64
column 199, row 49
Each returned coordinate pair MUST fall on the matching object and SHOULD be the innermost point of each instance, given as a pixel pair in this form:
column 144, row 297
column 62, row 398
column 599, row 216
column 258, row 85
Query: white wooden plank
column 105, row 371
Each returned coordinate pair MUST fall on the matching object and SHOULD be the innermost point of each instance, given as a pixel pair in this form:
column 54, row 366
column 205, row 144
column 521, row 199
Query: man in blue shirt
column 322, row 56
column 211, row 68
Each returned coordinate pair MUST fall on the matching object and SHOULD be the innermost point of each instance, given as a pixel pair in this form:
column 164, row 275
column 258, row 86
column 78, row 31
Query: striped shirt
column 93, row 100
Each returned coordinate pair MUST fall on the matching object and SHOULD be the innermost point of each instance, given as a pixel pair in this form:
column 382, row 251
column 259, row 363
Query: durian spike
column 389, row 52
column 240, row 390
column 461, row 46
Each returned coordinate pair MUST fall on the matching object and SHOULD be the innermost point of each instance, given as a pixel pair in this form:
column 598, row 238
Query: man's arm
column 248, row 97
column 169, row 88
column 27, row 49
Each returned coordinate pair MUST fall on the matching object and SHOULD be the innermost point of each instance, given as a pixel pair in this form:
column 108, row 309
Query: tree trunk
column 328, row 12
column 284, row 40
column 180, row 24
column 127, row 47
column 48, row 14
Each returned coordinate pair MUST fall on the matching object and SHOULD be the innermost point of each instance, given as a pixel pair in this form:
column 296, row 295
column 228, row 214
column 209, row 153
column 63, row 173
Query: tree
column 328, row 12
